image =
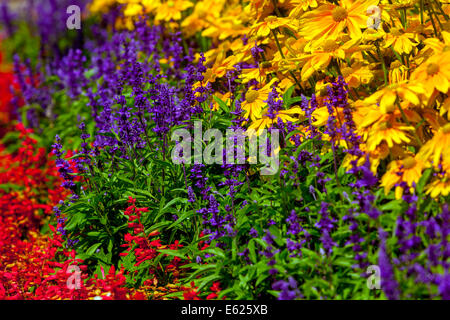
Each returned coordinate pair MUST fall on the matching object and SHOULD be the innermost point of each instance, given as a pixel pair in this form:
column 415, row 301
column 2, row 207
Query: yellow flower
column 445, row 108
column 257, row 73
column 437, row 147
column 254, row 101
column 436, row 45
column 320, row 57
column 440, row 186
column 150, row 5
column 370, row 35
column 399, row 4
column 204, row 12
column 408, row 170
column 231, row 24
column 357, row 74
column 400, row 41
column 283, row 115
column 434, row 73
column 300, row 6
column 263, row 29
column 397, row 72
column 329, row 20
column 321, row 115
column 171, row 10
column 407, row 91
column 133, row 9
column 389, row 130
column 260, row 8
column 220, row 68
column 224, row 97
column 101, row 5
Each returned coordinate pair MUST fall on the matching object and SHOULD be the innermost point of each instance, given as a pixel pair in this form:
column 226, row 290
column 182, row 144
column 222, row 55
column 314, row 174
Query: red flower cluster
column 140, row 243
column 6, row 83
column 192, row 293
column 32, row 266
column 144, row 248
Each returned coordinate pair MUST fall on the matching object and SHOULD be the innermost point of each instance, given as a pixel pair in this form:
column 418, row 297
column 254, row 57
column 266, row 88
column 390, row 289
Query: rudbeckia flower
column 434, row 73
column 397, row 72
column 400, row 41
column 444, row 108
column 407, row 91
column 408, row 170
column 436, row 45
column 321, row 56
column 204, row 12
column 224, row 97
column 101, row 5
column 300, row 6
column 133, row 9
column 440, row 186
column 260, row 73
column 171, row 10
column 254, row 101
column 260, row 8
column 357, row 74
column 389, row 130
column 262, row 29
column 437, row 147
column 329, row 20
column 220, row 68
column 283, row 115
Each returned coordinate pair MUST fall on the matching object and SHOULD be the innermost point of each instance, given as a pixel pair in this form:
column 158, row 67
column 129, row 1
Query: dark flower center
column 251, row 96
column 339, row 14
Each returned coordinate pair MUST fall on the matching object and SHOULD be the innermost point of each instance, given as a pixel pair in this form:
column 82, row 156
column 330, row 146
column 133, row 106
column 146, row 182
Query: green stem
column 383, row 64
column 435, row 14
column 421, row 11
column 283, row 56
column 434, row 25
column 438, row 5
column 275, row 6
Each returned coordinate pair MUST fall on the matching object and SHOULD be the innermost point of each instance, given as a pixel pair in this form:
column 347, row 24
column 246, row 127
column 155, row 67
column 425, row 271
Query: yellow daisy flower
column 171, row 10
column 397, row 72
column 204, row 12
column 439, row 186
column 407, row 91
column 284, row 115
column 408, row 170
column 389, row 130
column 437, row 147
column 300, row 6
column 263, row 29
column 320, row 57
column 400, row 41
column 254, row 101
column 357, row 74
column 434, row 73
column 329, row 20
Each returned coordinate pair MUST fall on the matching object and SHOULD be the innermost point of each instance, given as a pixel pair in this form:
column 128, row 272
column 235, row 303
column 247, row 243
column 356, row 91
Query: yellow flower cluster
column 393, row 54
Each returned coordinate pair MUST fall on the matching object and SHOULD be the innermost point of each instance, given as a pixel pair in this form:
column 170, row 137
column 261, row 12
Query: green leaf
column 93, row 248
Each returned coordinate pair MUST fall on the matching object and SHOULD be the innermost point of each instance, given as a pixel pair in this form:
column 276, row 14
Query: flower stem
column 283, row 56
